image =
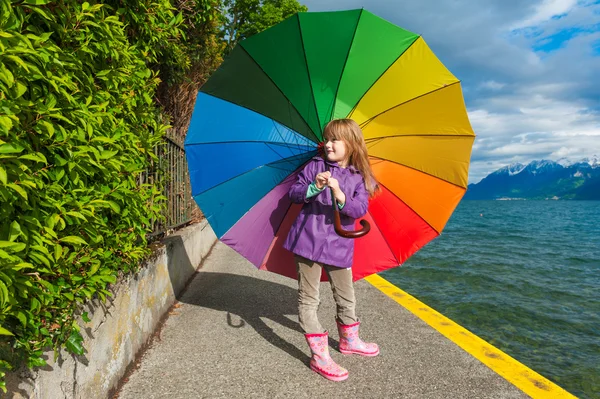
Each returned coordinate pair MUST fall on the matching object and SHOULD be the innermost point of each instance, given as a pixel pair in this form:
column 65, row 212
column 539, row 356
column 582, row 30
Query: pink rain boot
column 321, row 362
column 350, row 343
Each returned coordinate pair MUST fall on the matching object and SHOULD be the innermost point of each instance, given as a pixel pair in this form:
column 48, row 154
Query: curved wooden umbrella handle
column 337, row 224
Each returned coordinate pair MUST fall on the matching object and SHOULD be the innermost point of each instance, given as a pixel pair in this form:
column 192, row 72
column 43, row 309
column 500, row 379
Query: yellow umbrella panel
column 419, row 139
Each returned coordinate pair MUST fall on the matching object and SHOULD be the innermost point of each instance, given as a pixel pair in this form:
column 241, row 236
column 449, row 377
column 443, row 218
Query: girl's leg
column 343, row 293
column 309, row 278
column 347, row 322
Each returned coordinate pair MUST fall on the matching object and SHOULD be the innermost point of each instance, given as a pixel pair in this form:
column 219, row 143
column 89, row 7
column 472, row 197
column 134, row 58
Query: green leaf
column 73, row 240
column 20, row 90
column 18, row 61
column 35, row 305
column 23, row 265
column 94, row 268
column 13, row 246
column 39, row 257
column 10, row 148
column 50, row 232
column 62, row 118
column 103, row 139
column 48, row 126
column 74, row 343
column 18, row 189
column 115, row 207
column 15, row 231
column 22, row 318
column 3, row 293
column 6, row 75
column 36, row 361
column 4, row 331
column 58, row 251
column 77, row 215
column 28, row 183
column 37, row 2
column 3, row 176
column 61, row 223
column 59, row 175
column 38, row 157
column 85, row 317
column 108, row 154
column 42, row 12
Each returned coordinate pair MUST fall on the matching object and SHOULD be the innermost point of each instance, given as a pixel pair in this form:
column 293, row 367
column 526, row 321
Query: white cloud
column 491, row 85
column 545, row 11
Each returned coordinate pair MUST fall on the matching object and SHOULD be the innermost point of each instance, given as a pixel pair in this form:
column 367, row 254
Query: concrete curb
column 121, row 327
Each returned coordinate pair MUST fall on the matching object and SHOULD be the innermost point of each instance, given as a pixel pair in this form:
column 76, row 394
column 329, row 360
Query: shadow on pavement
column 250, row 299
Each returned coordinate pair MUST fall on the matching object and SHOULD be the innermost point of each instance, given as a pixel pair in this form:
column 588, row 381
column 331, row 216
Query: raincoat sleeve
column 299, row 189
column 356, row 204
column 313, row 190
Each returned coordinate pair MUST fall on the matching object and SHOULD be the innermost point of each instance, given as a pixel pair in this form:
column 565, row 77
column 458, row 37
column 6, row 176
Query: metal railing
column 171, row 170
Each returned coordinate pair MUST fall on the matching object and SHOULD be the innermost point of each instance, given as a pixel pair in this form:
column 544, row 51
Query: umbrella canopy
column 260, row 117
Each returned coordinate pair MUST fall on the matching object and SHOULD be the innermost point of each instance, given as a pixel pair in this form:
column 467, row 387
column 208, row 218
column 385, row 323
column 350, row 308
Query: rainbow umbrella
column 260, row 117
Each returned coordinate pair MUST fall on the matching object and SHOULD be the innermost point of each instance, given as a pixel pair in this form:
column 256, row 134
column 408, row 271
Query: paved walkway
column 235, row 334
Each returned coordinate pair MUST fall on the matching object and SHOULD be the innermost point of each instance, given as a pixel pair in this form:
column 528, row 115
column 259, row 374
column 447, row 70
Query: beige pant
column 309, row 277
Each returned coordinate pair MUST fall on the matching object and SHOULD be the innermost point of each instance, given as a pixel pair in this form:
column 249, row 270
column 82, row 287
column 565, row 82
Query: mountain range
column 543, row 179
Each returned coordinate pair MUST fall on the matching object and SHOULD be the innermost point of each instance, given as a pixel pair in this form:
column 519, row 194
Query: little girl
column 313, row 240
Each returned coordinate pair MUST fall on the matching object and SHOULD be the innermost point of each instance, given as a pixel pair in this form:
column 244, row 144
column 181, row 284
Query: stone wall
column 120, row 327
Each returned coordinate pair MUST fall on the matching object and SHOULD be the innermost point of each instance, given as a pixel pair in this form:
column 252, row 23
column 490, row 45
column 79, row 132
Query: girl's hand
column 337, row 192
column 321, row 179
column 333, row 184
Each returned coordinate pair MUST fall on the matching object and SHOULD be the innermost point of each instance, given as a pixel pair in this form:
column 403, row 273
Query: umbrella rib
column 282, row 93
column 418, row 170
column 281, row 136
column 284, row 144
column 411, row 208
column 253, row 169
column 272, row 149
column 365, row 123
column 308, row 73
column 383, row 73
column 345, row 63
column 296, row 145
column 417, row 135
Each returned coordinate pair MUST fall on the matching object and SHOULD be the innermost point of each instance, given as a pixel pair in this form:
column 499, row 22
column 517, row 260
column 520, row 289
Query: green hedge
column 77, row 127
column 79, row 120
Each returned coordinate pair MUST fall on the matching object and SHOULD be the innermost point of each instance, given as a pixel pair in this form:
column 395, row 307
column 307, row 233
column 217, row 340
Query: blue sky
column 530, row 71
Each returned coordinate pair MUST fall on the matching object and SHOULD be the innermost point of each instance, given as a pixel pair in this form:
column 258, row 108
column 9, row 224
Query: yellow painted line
column 527, row 380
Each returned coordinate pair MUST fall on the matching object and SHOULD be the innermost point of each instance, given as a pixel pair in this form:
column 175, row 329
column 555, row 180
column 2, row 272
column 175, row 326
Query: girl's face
column 336, row 151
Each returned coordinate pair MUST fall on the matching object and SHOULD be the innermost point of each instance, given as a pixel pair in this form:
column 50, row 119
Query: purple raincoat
column 312, row 235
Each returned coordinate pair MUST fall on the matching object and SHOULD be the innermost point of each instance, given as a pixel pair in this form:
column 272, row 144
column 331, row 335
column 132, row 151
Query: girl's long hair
column 350, row 133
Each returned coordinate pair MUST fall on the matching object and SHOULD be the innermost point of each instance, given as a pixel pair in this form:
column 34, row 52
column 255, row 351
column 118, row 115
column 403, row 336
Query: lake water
column 524, row 276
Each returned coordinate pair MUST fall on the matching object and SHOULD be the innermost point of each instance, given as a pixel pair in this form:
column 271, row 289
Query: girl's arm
column 299, row 189
column 356, row 205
